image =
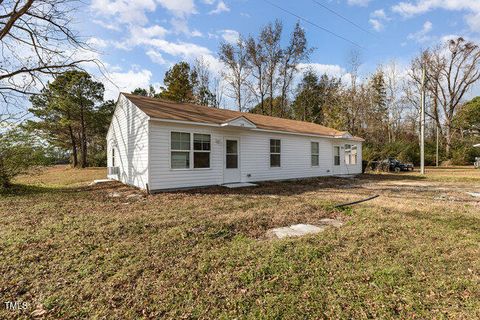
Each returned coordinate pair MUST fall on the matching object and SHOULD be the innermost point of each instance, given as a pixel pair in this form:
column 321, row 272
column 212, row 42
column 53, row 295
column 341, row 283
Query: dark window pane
column 201, row 159
column 232, row 161
column 314, row 160
column 274, row 146
column 274, row 160
column 314, row 147
column 180, row 160
column 232, row 146
column 337, row 160
column 201, row 142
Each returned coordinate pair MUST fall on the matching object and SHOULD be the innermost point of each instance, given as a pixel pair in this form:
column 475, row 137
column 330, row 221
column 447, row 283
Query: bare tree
column 452, row 69
column 36, row 42
column 395, row 103
column 235, row 59
column 203, row 91
column 270, row 38
column 257, row 58
column 296, row 52
column 354, row 99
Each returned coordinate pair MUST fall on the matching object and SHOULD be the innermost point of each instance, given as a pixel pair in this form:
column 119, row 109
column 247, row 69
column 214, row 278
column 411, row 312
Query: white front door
column 231, row 163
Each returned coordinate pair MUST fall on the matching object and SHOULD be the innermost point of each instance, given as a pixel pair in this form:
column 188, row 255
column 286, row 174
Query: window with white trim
column 336, row 155
column 201, row 150
column 275, row 152
column 354, row 154
column 314, row 148
column 183, row 149
column 347, row 154
column 180, row 150
column 350, row 154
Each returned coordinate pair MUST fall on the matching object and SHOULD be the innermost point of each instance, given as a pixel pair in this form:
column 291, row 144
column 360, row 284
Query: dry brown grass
column 80, row 253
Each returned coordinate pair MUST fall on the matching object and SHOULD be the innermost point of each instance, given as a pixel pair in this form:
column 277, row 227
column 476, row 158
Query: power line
column 314, row 24
column 342, row 17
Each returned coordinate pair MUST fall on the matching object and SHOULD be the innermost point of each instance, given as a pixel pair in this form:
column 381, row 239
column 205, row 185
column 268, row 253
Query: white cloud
column 230, row 36
column 126, row 82
column 184, row 50
column 127, row 11
column 362, row 3
column 380, row 14
column 378, row 19
column 97, row 43
column 221, row 7
column 410, row 8
column 156, row 56
column 135, row 11
column 106, row 25
column 179, row 7
column 138, row 34
column 329, row 69
column 422, row 36
column 209, row 1
column 376, row 24
column 473, row 20
column 180, row 25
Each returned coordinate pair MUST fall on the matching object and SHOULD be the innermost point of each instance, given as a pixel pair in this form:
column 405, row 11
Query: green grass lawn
column 74, row 251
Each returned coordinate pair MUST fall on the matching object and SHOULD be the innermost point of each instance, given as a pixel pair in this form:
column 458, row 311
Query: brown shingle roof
column 167, row 110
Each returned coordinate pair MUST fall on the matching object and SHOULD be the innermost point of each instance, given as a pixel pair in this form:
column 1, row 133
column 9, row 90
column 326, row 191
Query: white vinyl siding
column 127, row 140
column 254, row 159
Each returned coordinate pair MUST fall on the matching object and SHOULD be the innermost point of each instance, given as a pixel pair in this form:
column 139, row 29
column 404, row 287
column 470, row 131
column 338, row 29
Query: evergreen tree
column 66, row 108
column 180, row 82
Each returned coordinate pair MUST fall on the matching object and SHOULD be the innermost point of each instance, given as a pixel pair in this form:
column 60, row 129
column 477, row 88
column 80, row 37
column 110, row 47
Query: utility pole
column 422, row 123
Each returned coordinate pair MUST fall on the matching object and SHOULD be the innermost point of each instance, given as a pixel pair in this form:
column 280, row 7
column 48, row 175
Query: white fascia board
column 253, row 129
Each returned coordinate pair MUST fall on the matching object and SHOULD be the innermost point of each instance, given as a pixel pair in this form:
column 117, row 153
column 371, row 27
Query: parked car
column 391, row 164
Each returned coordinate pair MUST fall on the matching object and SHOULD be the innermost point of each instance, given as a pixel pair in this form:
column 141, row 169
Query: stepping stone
column 474, row 194
column 331, row 222
column 295, row 230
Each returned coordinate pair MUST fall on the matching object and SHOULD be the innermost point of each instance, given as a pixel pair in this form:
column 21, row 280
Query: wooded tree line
column 263, row 73
column 262, row 76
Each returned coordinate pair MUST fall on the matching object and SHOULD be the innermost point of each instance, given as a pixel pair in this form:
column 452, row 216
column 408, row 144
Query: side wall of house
column 254, row 156
column 128, row 136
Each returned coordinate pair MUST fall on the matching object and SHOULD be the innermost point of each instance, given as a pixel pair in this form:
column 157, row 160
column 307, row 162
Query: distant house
column 156, row 145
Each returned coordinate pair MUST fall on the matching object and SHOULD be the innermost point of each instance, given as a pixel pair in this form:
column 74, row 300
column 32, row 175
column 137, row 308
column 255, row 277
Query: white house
column 157, row 145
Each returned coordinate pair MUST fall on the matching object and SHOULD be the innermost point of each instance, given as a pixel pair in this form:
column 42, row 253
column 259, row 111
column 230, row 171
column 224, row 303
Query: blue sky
column 138, row 40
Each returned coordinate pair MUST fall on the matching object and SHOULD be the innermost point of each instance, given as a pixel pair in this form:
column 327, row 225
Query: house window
column 113, row 157
column 180, row 150
column 314, row 154
column 201, row 150
column 350, row 154
column 336, row 155
column 275, row 151
column 354, row 155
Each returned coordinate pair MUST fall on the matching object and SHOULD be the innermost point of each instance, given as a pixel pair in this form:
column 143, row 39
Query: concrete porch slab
column 238, row 185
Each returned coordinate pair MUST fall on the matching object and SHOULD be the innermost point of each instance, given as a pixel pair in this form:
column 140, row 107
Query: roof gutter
column 215, row 125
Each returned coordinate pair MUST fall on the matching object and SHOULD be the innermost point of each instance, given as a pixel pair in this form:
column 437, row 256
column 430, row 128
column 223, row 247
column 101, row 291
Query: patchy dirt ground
column 70, row 250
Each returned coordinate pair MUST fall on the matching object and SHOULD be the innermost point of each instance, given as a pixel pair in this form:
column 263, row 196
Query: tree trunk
column 448, row 138
column 74, row 147
column 83, row 138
